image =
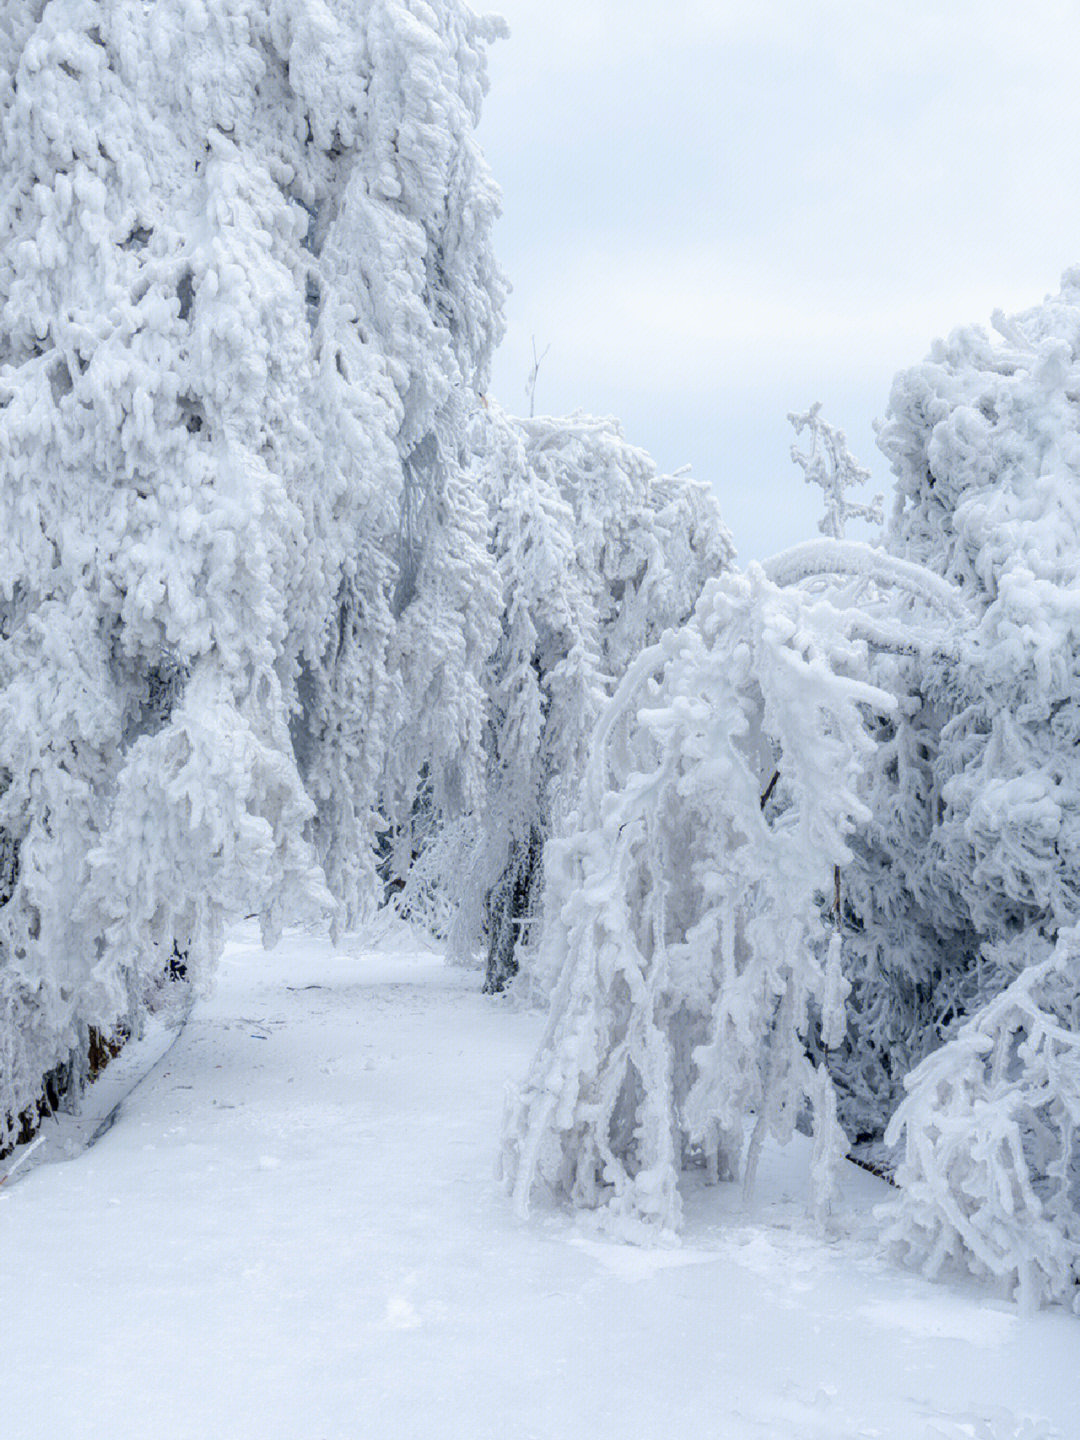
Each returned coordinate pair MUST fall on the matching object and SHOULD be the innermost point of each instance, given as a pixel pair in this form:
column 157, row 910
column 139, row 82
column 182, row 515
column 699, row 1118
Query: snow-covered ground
column 292, row 1231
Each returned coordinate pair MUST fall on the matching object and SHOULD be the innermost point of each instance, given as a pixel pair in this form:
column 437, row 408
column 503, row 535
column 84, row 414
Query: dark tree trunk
column 510, row 906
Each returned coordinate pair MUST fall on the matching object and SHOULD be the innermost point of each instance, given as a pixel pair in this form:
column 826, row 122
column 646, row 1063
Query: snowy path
column 292, row 1233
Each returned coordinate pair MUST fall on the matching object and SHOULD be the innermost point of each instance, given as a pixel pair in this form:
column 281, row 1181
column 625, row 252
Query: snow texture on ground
column 292, row 1231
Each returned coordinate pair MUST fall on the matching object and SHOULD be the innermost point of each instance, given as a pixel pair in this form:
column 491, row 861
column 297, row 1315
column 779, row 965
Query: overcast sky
column 716, row 213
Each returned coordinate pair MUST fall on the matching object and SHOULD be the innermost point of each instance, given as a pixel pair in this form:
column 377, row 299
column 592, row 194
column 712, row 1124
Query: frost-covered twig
column 534, row 372
column 830, row 464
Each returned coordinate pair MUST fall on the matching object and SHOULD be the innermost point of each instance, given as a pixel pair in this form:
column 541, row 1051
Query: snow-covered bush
column 685, row 907
column 247, row 302
column 990, row 1175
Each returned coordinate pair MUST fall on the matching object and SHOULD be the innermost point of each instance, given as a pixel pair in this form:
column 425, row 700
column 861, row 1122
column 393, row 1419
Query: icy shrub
column 990, row 1175
column 685, row 909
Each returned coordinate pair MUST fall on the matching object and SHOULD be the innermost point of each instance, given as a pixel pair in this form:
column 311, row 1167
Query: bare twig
column 530, row 386
column 770, row 788
column 22, row 1158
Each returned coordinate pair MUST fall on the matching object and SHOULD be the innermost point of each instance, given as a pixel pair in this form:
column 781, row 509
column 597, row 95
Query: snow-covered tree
column 596, row 556
column 969, row 871
column 985, row 442
column 974, row 846
column 685, row 906
column 247, row 303
column 906, row 982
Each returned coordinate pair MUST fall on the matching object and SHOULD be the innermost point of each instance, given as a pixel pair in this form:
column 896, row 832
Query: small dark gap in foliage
column 511, row 906
column 185, row 293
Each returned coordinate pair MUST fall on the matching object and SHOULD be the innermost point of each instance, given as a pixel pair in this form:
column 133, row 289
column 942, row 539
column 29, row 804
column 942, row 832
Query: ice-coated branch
column 830, row 464
column 830, row 557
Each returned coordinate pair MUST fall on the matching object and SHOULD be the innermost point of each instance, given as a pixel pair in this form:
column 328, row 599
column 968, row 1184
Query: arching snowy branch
column 687, row 913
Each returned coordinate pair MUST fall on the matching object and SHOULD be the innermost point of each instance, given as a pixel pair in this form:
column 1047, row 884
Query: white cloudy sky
column 716, row 213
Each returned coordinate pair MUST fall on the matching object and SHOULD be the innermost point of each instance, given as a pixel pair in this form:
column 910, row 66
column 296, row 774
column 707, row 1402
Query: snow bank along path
column 293, row 1232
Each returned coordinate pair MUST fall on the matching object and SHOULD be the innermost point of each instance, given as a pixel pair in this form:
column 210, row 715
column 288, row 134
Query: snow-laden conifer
column 246, row 303
column 721, row 791
column 970, row 869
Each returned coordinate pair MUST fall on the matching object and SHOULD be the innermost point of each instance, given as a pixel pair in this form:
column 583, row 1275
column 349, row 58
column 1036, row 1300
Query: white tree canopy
column 247, row 301
column 597, row 554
